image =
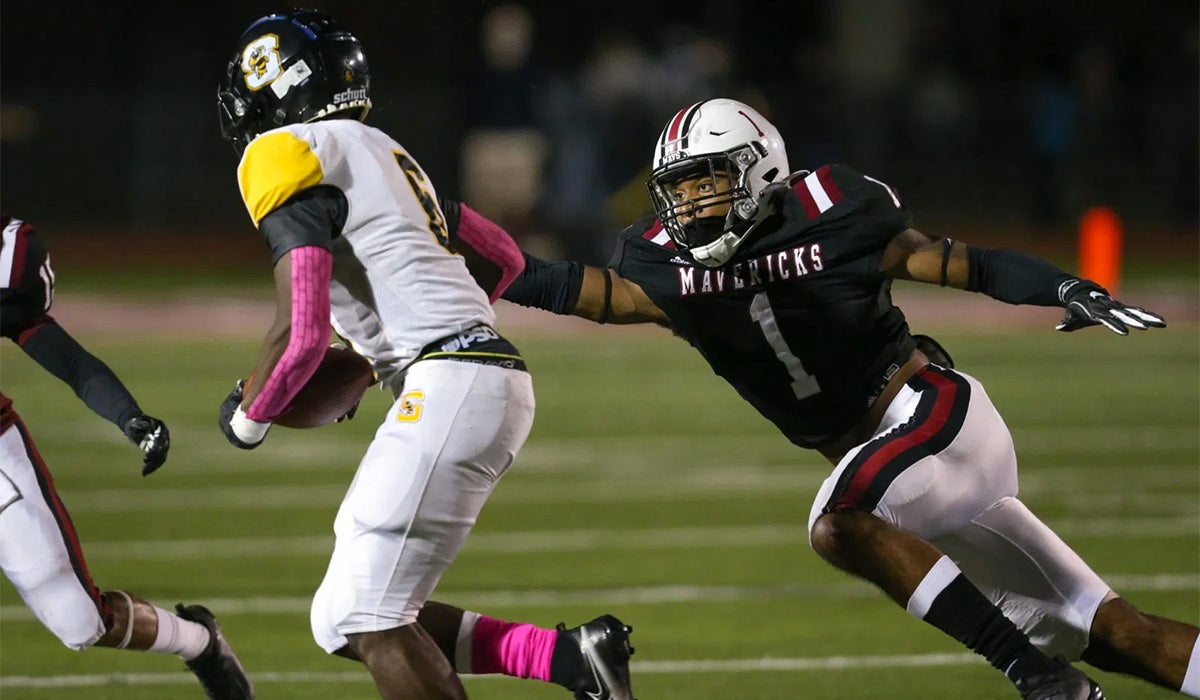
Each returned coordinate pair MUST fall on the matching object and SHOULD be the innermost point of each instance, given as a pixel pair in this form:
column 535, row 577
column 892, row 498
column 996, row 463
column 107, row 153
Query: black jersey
column 801, row 321
column 26, row 280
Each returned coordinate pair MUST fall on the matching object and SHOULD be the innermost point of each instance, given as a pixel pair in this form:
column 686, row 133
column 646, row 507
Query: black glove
column 1088, row 304
column 228, row 409
column 152, row 437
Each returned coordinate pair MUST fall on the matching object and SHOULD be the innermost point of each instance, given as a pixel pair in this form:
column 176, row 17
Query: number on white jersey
column 418, row 182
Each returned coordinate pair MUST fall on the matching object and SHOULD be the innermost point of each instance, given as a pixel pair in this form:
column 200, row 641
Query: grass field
column 647, row 489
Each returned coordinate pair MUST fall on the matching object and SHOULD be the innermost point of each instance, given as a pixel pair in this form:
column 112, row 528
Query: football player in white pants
column 39, row 549
column 358, row 237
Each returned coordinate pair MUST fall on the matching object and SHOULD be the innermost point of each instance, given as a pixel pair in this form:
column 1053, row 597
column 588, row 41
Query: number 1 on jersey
column 803, row 383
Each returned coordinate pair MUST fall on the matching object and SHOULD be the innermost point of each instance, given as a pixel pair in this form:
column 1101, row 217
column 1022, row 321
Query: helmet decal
column 756, row 127
column 296, row 74
column 673, row 142
column 261, row 62
column 350, row 96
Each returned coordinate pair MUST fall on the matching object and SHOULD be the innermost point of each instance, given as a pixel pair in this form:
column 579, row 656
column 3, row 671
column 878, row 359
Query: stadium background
column 999, row 122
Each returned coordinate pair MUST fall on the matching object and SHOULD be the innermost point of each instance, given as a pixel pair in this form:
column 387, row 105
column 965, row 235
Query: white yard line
column 655, row 489
column 306, row 445
column 581, row 540
column 663, row 667
column 1164, row 489
column 637, row 595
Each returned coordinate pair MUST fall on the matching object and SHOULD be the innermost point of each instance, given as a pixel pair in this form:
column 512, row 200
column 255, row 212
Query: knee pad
column 321, row 619
column 74, row 619
column 64, row 607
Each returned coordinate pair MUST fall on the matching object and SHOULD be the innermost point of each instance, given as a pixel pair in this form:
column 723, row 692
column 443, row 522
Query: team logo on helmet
column 261, row 62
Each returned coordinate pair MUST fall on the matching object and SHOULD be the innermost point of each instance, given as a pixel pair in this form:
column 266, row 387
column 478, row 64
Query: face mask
column 704, row 231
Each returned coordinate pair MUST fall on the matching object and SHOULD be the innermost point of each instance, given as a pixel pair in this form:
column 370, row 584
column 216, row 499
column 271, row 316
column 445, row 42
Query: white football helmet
column 711, row 138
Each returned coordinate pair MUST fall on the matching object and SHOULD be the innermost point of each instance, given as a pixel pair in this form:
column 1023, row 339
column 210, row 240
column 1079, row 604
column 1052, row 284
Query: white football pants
column 942, row 466
column 449, row 437
column 39, row 551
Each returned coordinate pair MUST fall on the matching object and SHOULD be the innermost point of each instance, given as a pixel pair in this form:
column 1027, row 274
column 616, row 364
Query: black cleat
column 604, row 645
column 218, row 667
column 1067, row 683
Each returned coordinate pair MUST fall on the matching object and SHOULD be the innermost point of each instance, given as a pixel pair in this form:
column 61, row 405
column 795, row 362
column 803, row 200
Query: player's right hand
column 152, row 437
column 1089, row 304
column 232, row 417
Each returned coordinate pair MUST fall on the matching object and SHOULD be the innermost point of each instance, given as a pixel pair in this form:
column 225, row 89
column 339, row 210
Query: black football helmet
column 290, row 68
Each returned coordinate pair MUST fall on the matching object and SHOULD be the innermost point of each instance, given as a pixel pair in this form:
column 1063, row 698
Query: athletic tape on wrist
column 247, row 430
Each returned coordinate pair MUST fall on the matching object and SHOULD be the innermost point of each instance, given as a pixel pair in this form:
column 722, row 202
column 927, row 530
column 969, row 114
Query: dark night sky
column 122, row 93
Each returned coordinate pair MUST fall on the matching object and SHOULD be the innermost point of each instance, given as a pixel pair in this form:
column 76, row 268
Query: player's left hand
column 230, row 414
column 353, row 409
column 152, row 437
column 349, row 414
column 1088, row 304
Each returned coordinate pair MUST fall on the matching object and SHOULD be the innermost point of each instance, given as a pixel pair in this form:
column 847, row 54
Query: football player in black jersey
column 39, row 549
column 782, row 281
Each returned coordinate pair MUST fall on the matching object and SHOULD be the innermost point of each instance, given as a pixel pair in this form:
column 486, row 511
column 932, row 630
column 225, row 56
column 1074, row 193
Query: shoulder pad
column 823, row 188
column 817, row 190
column 21, row 252
column 650, row 229
column 274, row 168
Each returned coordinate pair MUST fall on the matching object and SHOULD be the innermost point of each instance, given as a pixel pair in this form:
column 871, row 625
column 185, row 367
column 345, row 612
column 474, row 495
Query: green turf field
column 647, row 489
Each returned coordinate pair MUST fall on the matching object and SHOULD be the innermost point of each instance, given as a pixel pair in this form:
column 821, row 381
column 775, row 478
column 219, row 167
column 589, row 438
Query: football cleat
column 604, row 646
column 218, row 668
column 1067, row 683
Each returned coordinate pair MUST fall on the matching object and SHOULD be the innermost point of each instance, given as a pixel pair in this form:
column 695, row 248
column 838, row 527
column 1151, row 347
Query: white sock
column 179, row 636
column 1191, row 678
column 940, row 575
column 462, row 647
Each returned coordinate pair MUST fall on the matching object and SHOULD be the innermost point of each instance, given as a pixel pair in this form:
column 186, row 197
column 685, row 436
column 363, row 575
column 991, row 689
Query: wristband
column 248, row 431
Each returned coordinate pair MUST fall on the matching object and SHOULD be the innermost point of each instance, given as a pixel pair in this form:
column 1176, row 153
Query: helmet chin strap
column 718, row 252
column 721, row 251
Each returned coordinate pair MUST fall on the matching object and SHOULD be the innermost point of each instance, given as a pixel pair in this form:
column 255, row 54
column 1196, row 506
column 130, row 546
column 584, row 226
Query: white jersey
column 397, row 286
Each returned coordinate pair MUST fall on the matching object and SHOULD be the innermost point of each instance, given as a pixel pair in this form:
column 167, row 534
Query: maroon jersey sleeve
column 26, row 278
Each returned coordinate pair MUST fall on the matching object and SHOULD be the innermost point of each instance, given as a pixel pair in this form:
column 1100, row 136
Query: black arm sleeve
column 1015, row 278
column 553, row 286
column 315, row 216
column 53, row 348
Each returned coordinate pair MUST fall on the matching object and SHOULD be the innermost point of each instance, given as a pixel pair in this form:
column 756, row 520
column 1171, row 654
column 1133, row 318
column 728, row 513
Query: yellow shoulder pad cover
column 275, row 168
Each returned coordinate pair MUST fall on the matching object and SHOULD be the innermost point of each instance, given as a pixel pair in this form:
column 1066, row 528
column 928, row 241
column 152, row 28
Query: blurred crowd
column 1018, row 114
column 1034, row 127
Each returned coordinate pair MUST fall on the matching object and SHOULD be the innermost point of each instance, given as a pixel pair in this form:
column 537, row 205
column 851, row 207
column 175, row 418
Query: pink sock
column 512, row 648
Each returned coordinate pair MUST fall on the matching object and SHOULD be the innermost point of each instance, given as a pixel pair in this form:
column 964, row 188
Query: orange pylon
column 1100, row 248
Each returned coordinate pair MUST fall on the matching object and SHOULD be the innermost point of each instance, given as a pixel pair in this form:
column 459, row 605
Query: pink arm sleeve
column 492, row 242
column 312, row 268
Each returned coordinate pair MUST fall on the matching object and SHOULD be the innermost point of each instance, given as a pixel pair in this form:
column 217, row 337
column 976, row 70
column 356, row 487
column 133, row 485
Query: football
column 333, row 390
